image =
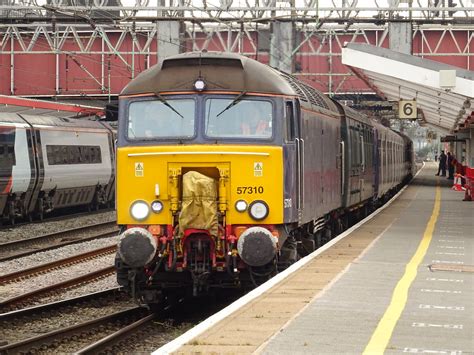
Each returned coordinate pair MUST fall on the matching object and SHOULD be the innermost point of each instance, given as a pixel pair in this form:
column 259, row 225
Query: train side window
column 290, row 122
column 98, row 156
column 2, row 150
column 64, row 154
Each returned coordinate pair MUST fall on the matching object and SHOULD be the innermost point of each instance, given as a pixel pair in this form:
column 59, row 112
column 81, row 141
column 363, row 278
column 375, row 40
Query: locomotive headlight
column 139, row 210
column 199, row 85
column 241, row 205
column 157, row 206
column 258, row 210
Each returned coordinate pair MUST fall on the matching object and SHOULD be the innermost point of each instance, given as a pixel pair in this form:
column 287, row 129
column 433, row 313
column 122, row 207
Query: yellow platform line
column 382, row 334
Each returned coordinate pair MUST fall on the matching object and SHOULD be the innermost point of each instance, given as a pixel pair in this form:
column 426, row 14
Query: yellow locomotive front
column 199, row 189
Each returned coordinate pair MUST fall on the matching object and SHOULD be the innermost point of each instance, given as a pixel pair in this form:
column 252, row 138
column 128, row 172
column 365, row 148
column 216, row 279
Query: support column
column 470, row 149
column 281, row 46
column 12, row 64
column 400, row 37
column 168, row 39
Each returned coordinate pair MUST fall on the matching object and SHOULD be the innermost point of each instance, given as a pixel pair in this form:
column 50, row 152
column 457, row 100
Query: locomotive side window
column 73, row 154
column 290, row 122
column 227, row 118
column 173, row 118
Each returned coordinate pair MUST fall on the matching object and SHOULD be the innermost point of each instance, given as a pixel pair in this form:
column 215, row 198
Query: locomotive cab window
column 290, row 122
column 156, row 119
column 227, row 118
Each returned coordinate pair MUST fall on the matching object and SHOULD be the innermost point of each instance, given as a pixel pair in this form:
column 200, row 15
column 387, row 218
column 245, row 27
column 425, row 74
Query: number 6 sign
column 407, row 109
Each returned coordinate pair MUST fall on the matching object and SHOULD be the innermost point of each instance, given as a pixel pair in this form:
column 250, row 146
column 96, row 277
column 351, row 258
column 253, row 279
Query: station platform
column 400, row 282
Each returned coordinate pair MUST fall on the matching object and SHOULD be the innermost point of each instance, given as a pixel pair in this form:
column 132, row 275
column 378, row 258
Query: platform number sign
column 407, row 109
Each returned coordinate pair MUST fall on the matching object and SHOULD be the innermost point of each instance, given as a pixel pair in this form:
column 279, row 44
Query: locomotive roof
column 223, row 72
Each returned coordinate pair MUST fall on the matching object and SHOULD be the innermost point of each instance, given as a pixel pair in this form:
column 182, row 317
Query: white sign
column 407, row 109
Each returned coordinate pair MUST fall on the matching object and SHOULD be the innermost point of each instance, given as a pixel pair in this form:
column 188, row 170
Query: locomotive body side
column 321, row 168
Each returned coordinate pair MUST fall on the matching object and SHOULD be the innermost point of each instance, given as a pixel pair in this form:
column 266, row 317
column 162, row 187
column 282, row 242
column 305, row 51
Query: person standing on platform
column 442, row 164
column 450, row 163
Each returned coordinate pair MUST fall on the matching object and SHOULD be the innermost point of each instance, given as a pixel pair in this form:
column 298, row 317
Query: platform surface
column 401, row 283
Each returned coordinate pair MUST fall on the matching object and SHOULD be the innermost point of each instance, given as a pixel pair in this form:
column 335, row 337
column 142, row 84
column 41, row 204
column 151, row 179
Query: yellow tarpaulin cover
column 199, row 204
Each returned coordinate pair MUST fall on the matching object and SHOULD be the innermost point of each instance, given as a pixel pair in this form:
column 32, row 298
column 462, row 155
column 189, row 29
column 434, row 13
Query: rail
column 24, row 247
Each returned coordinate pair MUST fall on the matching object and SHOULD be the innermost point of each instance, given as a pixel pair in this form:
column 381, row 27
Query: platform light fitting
column 199, row 85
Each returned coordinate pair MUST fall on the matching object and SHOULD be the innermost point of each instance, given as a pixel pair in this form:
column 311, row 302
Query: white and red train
column 48, row 163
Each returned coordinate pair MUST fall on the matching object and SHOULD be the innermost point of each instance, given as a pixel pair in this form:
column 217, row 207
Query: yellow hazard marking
column 382, row 334
column 257, row 169
column 139, row 168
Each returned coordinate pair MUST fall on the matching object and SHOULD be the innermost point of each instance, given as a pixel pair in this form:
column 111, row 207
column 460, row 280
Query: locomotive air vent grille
column 294, row 83
column 306, row 92
column 314, row 96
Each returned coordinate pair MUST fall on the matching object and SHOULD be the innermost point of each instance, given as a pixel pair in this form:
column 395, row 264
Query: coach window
column 11, row 150
column 156, row 119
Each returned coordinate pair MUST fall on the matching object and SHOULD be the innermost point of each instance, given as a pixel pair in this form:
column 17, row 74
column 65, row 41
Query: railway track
column 24, row 247
column 89, row 336
column 26, row 273
column 69, row 339
column 29, row 297
column 94, row 324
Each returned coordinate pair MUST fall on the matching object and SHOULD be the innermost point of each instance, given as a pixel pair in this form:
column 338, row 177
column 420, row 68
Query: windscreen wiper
column 233, row 103
column 167, row 104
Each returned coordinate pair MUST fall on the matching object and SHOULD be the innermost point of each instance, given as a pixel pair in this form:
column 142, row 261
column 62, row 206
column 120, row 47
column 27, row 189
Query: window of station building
column 73, row 154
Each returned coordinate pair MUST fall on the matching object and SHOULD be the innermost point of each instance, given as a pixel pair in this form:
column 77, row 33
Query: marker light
column 258, row 210
column 199, row 85
column 157, row 206
column 139, row 210
column 241, row 205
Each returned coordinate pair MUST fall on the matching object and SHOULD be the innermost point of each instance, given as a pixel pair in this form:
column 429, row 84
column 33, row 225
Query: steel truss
column 134, row 37
column 247, row 10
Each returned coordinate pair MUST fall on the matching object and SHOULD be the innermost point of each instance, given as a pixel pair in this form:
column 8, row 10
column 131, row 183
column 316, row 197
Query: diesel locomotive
column 229, row 170
column 48, row 163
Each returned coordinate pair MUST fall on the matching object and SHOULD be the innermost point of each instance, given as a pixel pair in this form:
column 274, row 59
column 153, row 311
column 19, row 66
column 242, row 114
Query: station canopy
column 443, row 93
